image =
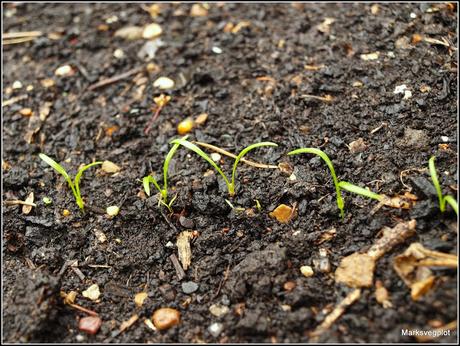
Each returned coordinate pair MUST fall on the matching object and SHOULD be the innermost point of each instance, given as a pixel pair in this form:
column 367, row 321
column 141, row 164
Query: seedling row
column 230, row 181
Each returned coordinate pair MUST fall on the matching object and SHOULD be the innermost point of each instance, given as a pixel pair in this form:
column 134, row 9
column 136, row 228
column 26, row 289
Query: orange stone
column 166, row 318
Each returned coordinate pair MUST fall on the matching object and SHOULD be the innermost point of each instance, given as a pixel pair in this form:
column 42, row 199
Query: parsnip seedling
column 442, row 199
column 146, row 181
column 338, row 184
column 74, row 185
column 229, row 182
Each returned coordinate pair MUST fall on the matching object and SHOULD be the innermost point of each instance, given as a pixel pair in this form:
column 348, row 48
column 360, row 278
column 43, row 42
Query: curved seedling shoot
column 230, row 183
column 442, row 199
column 338, row 184
column 74, row 185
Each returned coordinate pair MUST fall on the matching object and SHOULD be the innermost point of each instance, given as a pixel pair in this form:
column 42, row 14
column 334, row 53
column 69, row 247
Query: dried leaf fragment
column 27, row 208
column 356, row 270
column 139, row 298
column 411, row 267
column 283, row 213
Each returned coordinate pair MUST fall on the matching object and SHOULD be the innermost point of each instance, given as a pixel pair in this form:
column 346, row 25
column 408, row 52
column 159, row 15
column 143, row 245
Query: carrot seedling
column 229, row 182
column 338, row 184
column 442, row 199
column 75, row 184
column 146, row 181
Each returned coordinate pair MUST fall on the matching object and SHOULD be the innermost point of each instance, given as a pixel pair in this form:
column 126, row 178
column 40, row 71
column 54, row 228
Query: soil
column 254, row 89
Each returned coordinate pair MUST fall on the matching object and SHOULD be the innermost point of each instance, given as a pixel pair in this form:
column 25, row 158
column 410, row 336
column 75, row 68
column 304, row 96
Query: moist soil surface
column 304, row 75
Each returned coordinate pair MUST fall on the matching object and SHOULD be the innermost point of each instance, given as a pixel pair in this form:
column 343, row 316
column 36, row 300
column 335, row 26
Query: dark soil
column 237, row 258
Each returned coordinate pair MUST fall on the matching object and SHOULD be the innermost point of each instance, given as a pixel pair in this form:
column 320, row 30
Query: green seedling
column 146, row 181
column 442, row 199
column 75, row 184
column 338, row 184
column 230, row 183
column 236, row 209
column 258, row 206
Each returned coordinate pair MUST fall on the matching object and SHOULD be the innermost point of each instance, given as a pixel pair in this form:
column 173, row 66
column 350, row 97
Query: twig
column 224, row 152
column 352, row 297
column 227, row 272
column 152, row 119
column 116, row 78
column 179, row 271
column 327, row 98
column 17, row 40
column 9, row 35
column 81, row 308
column 16, row 202
column 14, row 100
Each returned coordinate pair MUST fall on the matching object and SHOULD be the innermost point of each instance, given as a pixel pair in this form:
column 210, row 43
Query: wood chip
column 184, row 249
column 381, row 295
column 139, row 298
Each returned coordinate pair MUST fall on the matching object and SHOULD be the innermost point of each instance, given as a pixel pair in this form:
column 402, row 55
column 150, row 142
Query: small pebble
column 110, row 167
column 216, row 157
column 307, row 271
column 65, row 212
column 216, row 50
column 169, row 244
column 64, row 71
column 119, row 54
column 151, row 31
column 27, row 112
column 164, row 83
column 165, row 318
column 92, row 292
column 201, row 119
column 289, row 286
column 186, row 222
column 17, row 85
column 218, row 310
column 80, row 338
column 445, row 139
column 189, row 287
column 90, row 324
column 215, row 329
column 113, row 210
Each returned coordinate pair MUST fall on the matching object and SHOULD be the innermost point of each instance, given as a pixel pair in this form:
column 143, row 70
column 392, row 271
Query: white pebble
column 413, row 15
column 17, row 85
column 445, row 139
column 64, row 71
column 164, row 83
column 216, row 50
column 216, row 157
column 215, row 329
column 112, row 210
column 306, row 271
column 118, row 53
column 399, row 89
